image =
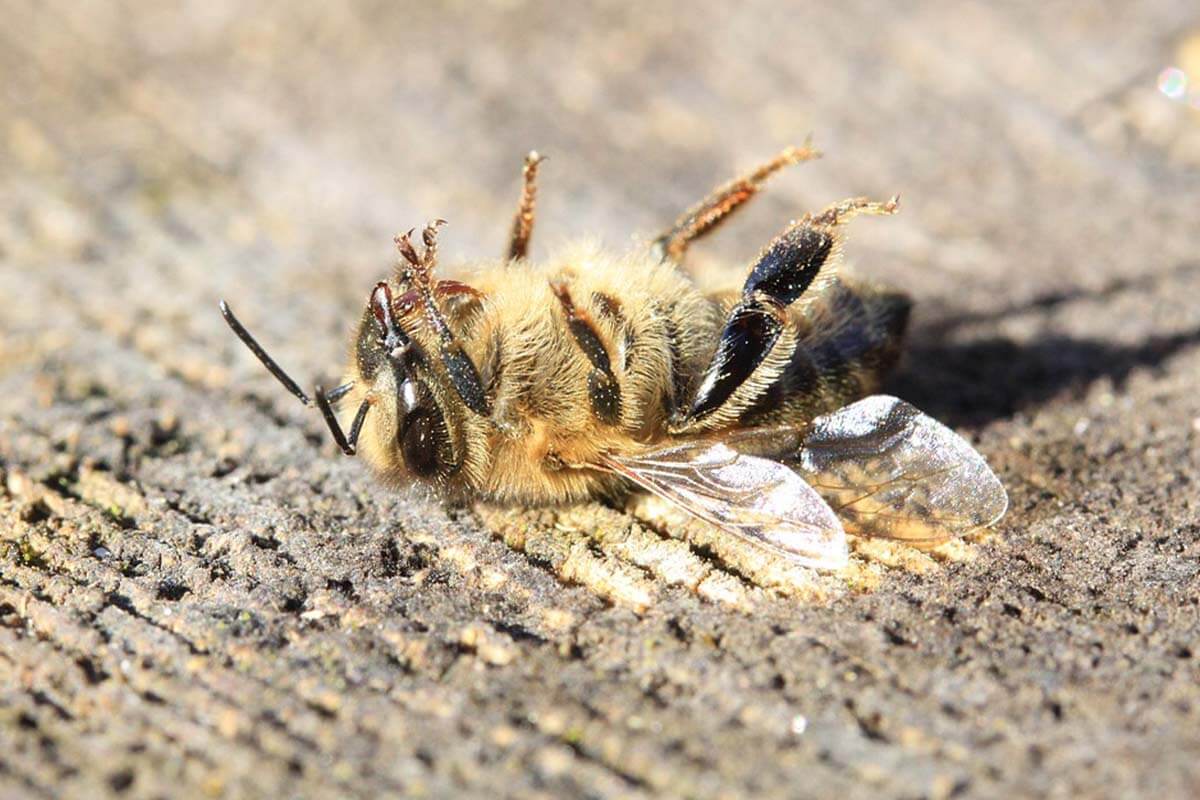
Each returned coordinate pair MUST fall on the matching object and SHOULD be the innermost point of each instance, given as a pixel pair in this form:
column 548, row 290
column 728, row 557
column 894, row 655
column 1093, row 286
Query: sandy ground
column 199, row 597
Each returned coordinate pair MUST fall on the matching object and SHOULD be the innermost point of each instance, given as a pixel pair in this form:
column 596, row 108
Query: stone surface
column 199, row 597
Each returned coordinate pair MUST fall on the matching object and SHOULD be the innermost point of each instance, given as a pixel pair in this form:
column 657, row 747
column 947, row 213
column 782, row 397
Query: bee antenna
column 325, row 400
column 288, row 382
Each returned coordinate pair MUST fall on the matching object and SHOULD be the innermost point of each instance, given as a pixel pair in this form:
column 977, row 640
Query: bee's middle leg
column 522, row 227
column 721, row 202
column 604, row 391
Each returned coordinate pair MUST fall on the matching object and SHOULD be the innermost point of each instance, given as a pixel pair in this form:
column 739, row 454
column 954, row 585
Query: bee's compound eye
column 420, row 442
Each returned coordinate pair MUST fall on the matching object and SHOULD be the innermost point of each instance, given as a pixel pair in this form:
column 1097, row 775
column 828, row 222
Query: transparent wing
column 759, row 500
column 891, row 471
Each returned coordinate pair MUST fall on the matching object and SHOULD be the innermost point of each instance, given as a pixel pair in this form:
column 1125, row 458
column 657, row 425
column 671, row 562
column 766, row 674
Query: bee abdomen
column 845, row 347
column 868, row 338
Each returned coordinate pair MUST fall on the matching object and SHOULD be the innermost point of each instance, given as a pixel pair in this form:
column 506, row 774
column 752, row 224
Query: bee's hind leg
column 721, row 202
column 801, row 259
column 522, row 227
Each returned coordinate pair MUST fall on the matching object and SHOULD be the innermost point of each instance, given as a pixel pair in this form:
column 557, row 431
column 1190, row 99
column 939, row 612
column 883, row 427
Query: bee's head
column 413, row 424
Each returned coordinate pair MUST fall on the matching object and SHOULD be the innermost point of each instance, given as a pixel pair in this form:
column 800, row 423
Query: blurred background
column 170, row 154
column 155, row 157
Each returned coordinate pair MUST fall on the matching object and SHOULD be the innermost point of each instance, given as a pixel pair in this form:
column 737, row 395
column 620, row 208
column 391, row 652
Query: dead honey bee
column 590, row 374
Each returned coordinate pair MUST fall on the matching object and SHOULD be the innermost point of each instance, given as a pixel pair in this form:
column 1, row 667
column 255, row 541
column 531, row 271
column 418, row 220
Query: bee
column 592, row 374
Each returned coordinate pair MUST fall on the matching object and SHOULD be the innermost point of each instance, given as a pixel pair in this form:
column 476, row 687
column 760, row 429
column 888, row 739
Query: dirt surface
column 199, row 597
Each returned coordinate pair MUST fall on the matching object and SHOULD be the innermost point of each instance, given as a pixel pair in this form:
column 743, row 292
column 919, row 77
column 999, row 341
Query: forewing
column 891, row 471
column 757, row 499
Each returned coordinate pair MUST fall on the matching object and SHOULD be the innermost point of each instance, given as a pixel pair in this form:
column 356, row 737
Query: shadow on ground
column 972, row 383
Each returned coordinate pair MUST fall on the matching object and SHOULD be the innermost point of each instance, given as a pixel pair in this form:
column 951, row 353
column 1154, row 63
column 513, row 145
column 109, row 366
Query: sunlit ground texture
column 200, row 597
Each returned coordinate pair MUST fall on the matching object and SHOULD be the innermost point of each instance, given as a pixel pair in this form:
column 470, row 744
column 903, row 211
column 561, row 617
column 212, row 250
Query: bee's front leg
column 799, row 262
column 463, row 374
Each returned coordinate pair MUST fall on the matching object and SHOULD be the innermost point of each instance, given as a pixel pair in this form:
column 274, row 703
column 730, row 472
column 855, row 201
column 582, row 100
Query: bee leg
column 456, row 289
column 522, row 227
column 604, row 391
column 801, row 259
column 721, row 202
column 461, row 370
column 750, row 333
column 458, row 294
